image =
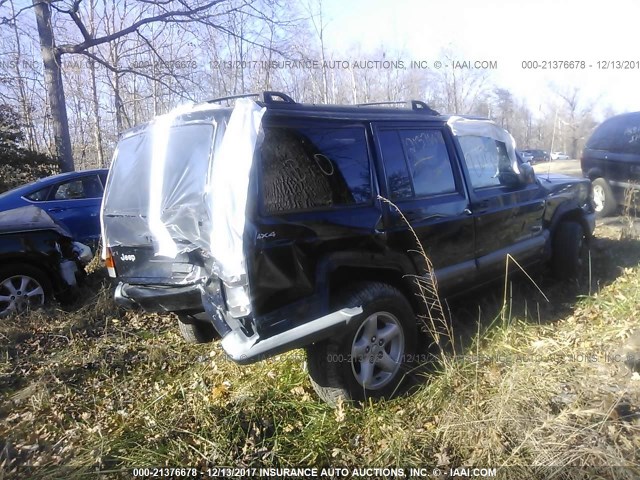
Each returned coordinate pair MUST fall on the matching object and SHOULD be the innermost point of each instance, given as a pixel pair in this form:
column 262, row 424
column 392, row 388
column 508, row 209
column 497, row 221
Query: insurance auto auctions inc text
column 311, row 64
column 368, row 472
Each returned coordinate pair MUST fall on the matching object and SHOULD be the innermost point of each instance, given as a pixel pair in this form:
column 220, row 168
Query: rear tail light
column 110, row 264
column 238, row 302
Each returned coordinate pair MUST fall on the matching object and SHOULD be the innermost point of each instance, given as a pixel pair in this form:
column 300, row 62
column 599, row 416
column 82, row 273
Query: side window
column 39, row 195
column 428, row 162
column 395, row 165
column 417, row 163
column 309, row 168
column 92, row 187
column 485, row 159
column 87, row 187
column 103, row 178
column 69, row 191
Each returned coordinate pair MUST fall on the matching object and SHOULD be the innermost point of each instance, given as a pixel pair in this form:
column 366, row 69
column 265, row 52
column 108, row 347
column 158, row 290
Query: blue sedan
column 72, row 198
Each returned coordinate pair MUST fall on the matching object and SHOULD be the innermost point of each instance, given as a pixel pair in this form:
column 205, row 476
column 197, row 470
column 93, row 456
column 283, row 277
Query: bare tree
column 51, row 57
column 577, row 117
column 169, row 11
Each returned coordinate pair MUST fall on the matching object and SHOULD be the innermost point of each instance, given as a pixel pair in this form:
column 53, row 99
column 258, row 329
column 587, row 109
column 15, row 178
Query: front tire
column 372, row 357
column 603, row 197
column 570, row 248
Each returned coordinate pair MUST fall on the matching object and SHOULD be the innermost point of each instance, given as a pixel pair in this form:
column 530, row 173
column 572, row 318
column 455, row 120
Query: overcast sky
column 507, row 31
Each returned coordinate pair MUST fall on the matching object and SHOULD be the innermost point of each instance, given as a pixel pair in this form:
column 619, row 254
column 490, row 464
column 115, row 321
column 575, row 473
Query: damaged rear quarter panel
column 287, row 252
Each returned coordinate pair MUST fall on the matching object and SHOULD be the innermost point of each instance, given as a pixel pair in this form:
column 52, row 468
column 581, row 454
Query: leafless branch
column 170, row 16
column 116, row 70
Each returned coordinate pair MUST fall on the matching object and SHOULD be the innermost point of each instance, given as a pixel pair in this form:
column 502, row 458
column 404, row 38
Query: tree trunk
column 96, row 113
column 53, row 80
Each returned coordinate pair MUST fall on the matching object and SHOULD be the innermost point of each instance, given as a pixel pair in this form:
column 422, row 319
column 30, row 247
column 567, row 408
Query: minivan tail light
column 110, row 264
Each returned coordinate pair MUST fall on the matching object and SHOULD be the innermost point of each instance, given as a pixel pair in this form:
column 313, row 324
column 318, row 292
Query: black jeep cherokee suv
column 278, row 225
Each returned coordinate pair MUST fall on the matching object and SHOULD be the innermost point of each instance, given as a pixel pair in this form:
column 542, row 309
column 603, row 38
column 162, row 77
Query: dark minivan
column 611, row 160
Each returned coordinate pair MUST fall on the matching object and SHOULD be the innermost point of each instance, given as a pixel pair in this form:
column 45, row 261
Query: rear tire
column 194, row 330
column 603, row 198
column 569, row 250
column 372, row 357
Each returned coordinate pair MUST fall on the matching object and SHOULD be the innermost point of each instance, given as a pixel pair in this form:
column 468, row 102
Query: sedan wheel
column 19, row 293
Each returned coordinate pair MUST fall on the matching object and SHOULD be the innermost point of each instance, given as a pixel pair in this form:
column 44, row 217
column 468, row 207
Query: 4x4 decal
column 266, row 235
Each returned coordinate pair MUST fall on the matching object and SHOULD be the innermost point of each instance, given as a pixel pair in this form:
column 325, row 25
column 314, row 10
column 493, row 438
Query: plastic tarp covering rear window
column 485, row 128
column 173, row 186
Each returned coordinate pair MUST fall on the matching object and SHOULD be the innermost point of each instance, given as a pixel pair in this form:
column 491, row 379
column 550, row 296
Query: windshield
column 619, row 134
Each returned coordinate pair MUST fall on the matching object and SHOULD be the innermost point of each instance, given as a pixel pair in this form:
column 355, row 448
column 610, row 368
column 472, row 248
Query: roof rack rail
column 373, row 104
column 232, row 97
column 415, row 105
column 269, row 96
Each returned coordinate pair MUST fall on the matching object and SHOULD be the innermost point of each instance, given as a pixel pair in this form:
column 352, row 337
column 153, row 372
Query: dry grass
column 98, row 389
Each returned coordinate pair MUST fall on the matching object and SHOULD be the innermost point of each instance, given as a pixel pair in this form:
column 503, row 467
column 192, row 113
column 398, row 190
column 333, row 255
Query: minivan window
column 306, row 168
column 620, row 134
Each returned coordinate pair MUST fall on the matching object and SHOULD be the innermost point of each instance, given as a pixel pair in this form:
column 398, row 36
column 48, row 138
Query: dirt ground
column 567, row 167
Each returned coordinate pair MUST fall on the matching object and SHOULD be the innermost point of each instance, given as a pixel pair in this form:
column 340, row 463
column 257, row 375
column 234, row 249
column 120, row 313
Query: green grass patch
column 99, row 389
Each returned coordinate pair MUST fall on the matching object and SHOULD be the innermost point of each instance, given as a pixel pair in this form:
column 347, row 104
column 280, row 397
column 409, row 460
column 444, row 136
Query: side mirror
column 509, row 179
column 527, row 174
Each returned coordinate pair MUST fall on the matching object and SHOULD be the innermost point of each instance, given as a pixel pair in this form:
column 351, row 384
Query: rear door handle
column 57, row 210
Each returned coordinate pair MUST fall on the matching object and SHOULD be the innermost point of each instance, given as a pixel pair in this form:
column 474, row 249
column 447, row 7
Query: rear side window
column 485, row 158
column 87, row 187
column 314, row 168
column 417, row 163
column 39, row 195
column 395, row 165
